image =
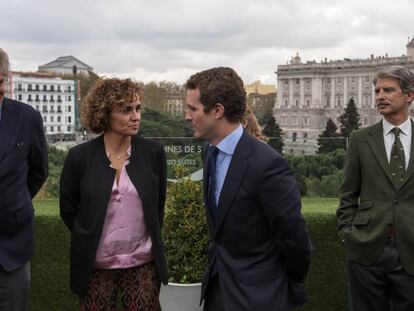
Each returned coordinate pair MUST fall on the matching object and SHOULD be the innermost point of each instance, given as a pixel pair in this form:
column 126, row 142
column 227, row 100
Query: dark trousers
column 14, row 287
column 383, row 286
column 213, row 300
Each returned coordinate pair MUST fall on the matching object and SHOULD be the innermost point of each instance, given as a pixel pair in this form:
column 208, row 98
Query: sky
column 157, row 40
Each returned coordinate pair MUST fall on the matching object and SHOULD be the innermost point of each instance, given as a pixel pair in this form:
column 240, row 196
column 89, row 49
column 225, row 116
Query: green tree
column 156, row 124
column 329, row 140
column 349, row 120
column 272, row 130
column 50, row 188
column 154, row 96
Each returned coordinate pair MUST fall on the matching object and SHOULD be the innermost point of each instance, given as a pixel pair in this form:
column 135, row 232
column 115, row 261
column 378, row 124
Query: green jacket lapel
column 375, row 141
column 410, row 168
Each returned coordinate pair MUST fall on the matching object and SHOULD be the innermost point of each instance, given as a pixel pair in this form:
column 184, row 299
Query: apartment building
column 51, row 95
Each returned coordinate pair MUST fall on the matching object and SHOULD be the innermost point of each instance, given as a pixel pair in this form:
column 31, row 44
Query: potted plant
column 186, row 243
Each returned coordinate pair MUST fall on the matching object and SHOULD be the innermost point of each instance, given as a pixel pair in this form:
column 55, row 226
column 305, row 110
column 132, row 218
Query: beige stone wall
column 311, row 93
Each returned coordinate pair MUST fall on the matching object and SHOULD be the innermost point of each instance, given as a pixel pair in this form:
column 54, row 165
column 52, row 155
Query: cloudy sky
column 157, row 40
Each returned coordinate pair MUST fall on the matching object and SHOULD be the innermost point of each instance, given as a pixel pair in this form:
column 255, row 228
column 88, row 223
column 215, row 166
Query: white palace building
column 311, row 93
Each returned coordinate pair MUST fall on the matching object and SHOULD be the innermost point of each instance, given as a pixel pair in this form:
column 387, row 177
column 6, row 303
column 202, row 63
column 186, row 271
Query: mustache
column 381, row 102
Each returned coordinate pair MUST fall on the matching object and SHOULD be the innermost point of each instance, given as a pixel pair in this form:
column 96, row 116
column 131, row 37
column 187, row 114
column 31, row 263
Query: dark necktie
column 211, row 198
column 397, row 160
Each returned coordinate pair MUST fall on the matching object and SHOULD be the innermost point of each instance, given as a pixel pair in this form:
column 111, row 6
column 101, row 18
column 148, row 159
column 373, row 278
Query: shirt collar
column 229, row 143
column 405, row 127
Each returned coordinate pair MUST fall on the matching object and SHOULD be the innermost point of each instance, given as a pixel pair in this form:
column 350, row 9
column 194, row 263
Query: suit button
column 395, row 201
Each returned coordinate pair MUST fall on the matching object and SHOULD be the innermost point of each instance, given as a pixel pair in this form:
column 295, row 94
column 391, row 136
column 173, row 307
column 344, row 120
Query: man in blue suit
column 23, row 170
column 259, row 252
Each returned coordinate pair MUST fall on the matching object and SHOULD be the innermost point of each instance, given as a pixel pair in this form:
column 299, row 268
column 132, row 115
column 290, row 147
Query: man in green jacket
column 376, row 209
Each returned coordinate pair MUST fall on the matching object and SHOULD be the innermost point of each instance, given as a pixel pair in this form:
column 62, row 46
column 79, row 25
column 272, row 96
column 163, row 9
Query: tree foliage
column 329, row 140
column 156, row 124
column 157, row 94
column 320, row 174
column 349, row 120
column 272, row 130
column 50, row 188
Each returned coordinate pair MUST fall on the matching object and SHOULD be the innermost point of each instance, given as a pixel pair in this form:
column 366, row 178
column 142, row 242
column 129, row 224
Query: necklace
column 118, row 157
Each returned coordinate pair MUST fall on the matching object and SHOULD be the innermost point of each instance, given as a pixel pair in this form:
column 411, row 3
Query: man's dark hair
column 220, row 85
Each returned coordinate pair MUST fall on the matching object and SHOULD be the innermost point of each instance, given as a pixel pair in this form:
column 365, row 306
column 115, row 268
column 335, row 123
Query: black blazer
column 23, row 170
column 259, row 242
column 85, row 188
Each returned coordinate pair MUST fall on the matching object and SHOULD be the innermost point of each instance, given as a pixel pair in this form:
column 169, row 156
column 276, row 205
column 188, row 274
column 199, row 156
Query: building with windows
column 311, row 93
column 260, row 97
column 53, row 96
column 175, row 101
column 258, row 88
column 64, row 65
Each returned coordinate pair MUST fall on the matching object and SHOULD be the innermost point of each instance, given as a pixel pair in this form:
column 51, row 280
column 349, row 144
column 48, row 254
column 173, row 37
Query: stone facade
column 175, row 102
column 311, row 93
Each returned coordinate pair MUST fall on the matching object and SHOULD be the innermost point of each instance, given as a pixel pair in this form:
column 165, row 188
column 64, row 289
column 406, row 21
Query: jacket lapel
column 106, row 174
column 8, row 127
column 410, row 168
column 238, row 165
column 375, row 141
column 210, row 219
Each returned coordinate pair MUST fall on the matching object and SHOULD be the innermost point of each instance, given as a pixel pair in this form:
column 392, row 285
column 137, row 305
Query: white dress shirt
column 226, row 149
column 405, row 138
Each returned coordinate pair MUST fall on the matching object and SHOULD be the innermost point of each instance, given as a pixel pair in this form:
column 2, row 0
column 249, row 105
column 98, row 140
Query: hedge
column 325, row 286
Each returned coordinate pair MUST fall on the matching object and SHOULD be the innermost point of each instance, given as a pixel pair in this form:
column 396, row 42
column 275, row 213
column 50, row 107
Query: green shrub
column 49, row 289
column 313, row 186
column 330, row 184
column 50, row 189
column 325, row 285
column 185, row 230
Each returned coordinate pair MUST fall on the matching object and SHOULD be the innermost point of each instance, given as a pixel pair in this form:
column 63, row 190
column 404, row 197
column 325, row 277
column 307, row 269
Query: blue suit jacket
column 23, row 170
column 259, row 242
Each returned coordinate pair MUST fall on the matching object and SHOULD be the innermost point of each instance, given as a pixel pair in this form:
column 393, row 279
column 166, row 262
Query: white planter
column 180, row 297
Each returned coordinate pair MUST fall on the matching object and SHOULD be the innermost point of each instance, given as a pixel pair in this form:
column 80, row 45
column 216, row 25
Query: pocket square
column 20, row 144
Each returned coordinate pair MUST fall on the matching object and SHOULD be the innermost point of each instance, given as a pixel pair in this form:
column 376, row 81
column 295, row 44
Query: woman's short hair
column 106, row 95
